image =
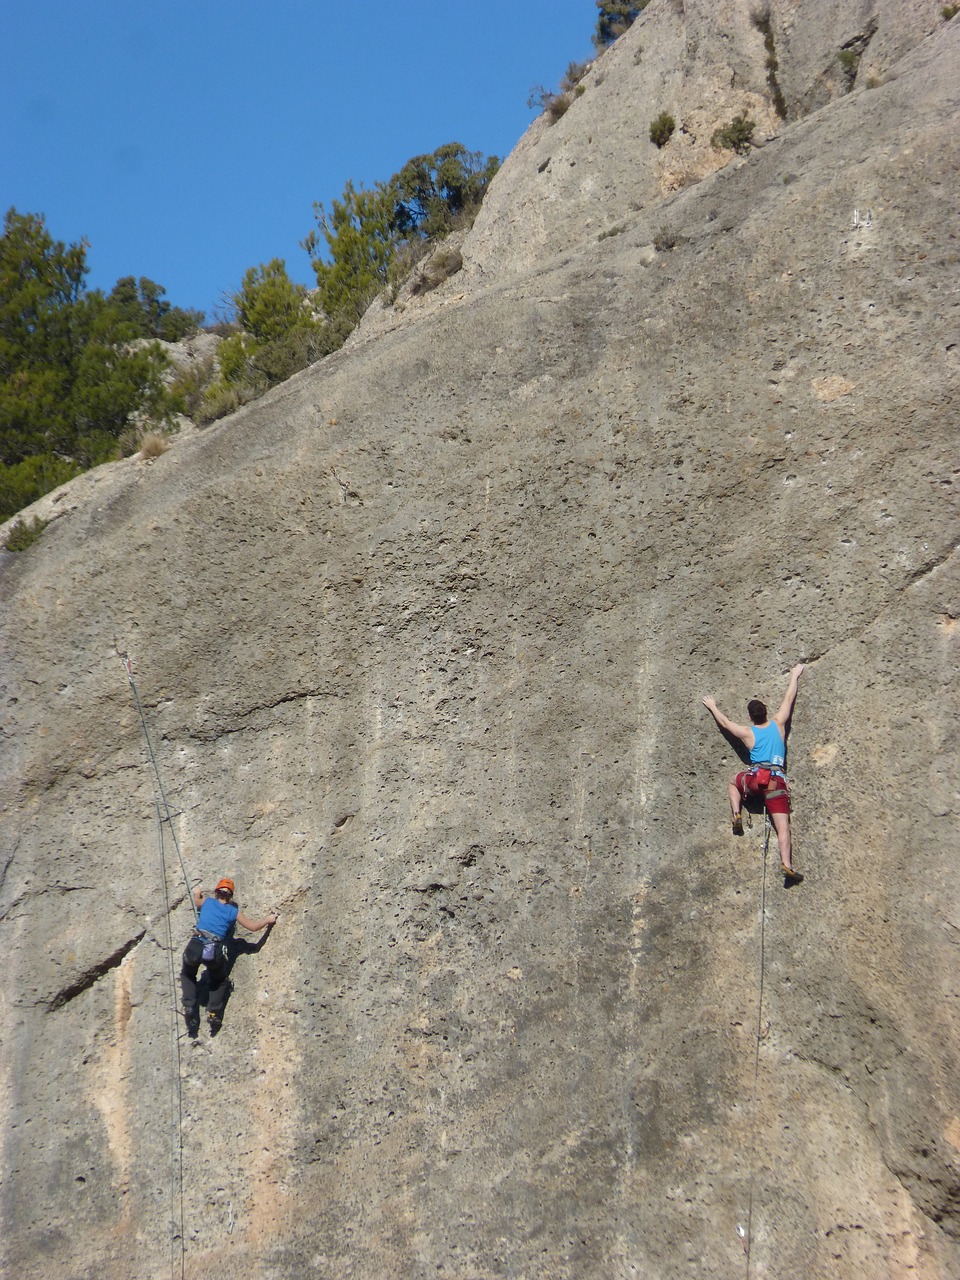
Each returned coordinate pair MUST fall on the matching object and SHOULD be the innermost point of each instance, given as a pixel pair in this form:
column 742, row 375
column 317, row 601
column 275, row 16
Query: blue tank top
column 217, row 917
column 768, row 745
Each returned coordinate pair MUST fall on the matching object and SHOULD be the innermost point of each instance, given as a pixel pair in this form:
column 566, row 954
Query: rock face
column 421, row 639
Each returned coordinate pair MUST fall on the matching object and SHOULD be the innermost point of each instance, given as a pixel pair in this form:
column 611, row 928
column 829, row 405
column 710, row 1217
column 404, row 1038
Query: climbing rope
column 167, row 815
column 176, row 1090
column 747, row 1236
column 165, row 822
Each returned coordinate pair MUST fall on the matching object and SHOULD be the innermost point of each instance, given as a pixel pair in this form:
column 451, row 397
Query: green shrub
column 24, row 482
column 950, row 11
column 736, row 136
column 662, row 128
column 849, row 60
column 280, row 334
column 189, row 384
column 219, row 399
column 366, row 232
column 24, row 533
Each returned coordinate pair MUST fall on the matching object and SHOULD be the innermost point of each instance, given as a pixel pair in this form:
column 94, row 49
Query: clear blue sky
column 187, row 142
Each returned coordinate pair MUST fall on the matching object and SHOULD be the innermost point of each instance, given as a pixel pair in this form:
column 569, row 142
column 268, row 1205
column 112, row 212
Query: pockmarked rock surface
column 421, row 639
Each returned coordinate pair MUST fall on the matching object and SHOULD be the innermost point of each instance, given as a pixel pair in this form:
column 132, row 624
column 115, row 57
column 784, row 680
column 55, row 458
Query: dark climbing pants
column 216, row 975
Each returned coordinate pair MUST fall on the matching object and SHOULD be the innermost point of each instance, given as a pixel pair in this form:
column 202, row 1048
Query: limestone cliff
column 421, row 639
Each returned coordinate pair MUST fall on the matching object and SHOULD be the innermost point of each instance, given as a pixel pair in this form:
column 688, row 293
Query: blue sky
column 188, row 142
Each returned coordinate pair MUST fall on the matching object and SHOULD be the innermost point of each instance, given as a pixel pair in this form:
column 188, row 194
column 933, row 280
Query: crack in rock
column 87, row 979
column 222, row 731
column 21, row 898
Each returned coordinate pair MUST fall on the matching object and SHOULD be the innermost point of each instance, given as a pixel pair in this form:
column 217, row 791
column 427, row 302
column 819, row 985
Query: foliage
column 950, row 11
column 188, row 385
column 661, row 129
column 736, row 136
column 141, row 306
column 219, row 399
column 554, row 103
column 24, row 482
column 849, row 60
column 279, row 334
column 72, row 371
column 443, row 263
column 362, row 243
column 24, row 533
column 269, row 304
column 434, row 191
column 764, row 24
column 153, row 444
column 614, row 18
column 574, row 74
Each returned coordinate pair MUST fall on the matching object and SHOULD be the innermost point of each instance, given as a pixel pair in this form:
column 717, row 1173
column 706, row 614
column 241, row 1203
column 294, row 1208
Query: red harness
column 757, row 781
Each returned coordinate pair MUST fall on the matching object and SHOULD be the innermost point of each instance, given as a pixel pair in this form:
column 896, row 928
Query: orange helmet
column 225, row 884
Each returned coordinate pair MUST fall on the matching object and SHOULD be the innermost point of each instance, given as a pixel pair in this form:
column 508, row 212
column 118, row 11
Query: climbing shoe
column 738, row 824
column 214, row 1022
column 192, row 1019
column 792, row 877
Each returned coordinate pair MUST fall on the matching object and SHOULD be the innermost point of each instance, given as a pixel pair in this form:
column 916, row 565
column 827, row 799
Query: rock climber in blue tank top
column 218, row 914
column 766, row 740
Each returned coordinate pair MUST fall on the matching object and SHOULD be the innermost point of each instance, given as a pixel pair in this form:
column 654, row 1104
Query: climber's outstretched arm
column 256, row 925
column 790, row 697
column 741, row 731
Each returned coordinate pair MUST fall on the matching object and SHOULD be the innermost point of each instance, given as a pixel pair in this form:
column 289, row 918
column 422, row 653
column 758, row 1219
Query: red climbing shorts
column 746, row 784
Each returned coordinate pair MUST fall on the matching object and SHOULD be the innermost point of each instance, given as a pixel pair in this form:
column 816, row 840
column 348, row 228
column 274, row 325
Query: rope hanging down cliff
column 165, row 820
column 176, row 1090
column 747, row 1236
column 164, row 812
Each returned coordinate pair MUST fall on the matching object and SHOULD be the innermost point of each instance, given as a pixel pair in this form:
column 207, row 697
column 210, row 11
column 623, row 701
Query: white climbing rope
column 176, row 1090
column 747, row 1235
column 166, row 814
column 165, row 817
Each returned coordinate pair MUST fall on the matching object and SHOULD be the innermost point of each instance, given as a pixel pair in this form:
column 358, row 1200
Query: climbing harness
column 212, row 943
column 746, row 1236
column 757, row 780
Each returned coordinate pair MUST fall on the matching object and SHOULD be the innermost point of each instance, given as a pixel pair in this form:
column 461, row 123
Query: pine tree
column 361, row 238
column 367, row 231
column 434, row 191
column 69, row 381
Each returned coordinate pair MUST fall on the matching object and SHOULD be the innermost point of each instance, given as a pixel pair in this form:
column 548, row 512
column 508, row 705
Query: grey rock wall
column 421, row 639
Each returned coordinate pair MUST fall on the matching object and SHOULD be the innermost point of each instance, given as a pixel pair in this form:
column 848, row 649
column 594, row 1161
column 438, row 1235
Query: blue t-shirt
column 768, row 745
column 217, row 917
